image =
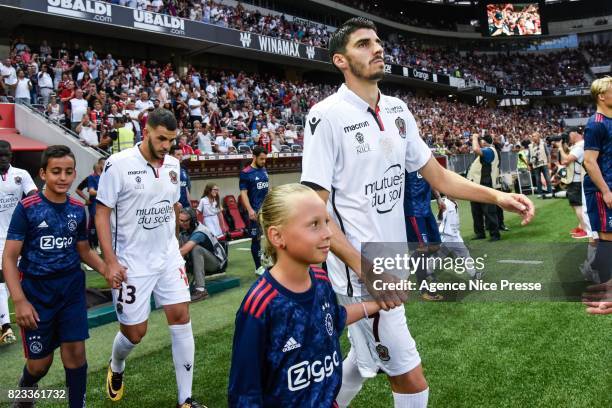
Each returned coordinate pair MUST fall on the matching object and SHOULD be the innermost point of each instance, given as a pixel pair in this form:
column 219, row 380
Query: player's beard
column 154, row 152
column 359, row 71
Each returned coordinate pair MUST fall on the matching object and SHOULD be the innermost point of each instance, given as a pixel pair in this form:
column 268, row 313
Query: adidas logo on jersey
column 291, row 345
column 43, row 224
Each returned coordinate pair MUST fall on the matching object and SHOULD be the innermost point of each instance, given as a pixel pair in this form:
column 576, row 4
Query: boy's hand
column 25, row 315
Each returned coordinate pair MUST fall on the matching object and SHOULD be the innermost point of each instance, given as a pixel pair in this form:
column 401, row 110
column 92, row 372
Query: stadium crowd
column 217, row 110
column 561, row 69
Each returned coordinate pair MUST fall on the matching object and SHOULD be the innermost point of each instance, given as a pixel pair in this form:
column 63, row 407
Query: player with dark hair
column 48, row 230
column 15, row 183
column 254, row 185
column 136, row 218
column 357, row 146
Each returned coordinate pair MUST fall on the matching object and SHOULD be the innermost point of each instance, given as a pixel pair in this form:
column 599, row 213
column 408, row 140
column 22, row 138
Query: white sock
column 183, row 351
column 5, row 317
column 351, row 381
column 418, row 400
column 122, row 346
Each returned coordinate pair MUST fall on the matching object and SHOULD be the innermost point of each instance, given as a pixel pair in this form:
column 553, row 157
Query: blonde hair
column 275, row 211
column 600, row 86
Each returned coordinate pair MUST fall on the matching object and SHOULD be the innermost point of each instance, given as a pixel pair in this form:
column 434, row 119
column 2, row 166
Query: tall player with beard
column 13, row 185
column 358, row 144
column 136, row 217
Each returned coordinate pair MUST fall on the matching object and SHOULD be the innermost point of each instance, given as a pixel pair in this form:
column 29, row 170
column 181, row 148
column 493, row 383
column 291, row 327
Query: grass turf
column 487, row 354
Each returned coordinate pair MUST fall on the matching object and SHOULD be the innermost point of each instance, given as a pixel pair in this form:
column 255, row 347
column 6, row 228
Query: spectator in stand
column 223, row 143
column 144, row 103
column 184, row 146
column 86, row 131
column 54, row 110
column 196, row 103
column 9, row 75
column 210, row 209
column 78, row 108
column 45, row 84
column 22, row 88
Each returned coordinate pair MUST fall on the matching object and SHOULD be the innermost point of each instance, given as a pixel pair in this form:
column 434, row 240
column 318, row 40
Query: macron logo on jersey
column 291, row 345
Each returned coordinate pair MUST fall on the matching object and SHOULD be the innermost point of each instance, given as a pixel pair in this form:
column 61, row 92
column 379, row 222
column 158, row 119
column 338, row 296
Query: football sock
column 5, row 317
column 256, row 252
column 351, row 381
column 418, row 400
column 76, row 382
column 183, row 351
column 122, row 347
column 27, row 379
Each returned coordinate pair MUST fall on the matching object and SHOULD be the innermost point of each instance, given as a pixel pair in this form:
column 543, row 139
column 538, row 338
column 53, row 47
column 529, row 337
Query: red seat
column 226, row 230
column 231, row 207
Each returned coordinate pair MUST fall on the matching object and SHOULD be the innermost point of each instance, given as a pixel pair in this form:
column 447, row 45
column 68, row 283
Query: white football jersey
column 360, row 155
column 13, row 185
column 450, row 227
column 143, row 222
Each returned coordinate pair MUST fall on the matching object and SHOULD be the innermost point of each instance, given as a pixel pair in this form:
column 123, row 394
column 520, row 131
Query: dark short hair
column 339, row 38
column 5, row 145
column 257, row 150
column 161, row 117
column 55, row 152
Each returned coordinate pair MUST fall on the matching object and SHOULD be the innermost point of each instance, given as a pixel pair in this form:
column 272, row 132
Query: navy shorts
column 422, row 230
column 62, row 308
column 253, row 230
column 599, row 214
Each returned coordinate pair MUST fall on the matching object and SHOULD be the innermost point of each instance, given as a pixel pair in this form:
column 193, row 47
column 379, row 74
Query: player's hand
column 252, row 215
column 25, row 315
column 115, row 274
column 441, row 205
column 384, row 297
column 517, row 203
column 599, row 307
column 607, row 197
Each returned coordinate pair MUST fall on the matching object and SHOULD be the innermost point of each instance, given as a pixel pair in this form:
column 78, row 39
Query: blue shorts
column 253, row 229
column 599, row 214
column 422, row 230
column 62, row 308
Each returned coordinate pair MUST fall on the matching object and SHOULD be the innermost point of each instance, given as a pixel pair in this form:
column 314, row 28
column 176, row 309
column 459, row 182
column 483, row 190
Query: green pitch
column 487, row 354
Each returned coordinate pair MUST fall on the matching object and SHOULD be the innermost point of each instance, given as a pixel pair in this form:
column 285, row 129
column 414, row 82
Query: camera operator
column 202, row 250
column 573, row 159
column 539, row 159
column 484, row 171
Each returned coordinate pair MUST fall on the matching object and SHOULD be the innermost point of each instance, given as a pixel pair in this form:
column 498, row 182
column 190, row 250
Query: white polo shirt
column 143, row 223
column 13, row 185
column 362, row 165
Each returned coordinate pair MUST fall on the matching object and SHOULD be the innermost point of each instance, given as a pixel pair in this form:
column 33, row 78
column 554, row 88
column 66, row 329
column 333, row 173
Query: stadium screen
column 513, row 19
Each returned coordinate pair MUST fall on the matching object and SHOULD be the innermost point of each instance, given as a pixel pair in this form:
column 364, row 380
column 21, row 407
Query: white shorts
column 133, row 300
column 382, row 342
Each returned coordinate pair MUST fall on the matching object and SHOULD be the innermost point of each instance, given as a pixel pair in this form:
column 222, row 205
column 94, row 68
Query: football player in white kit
column 357, row 145
column 137, row 208
column 14, row 184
